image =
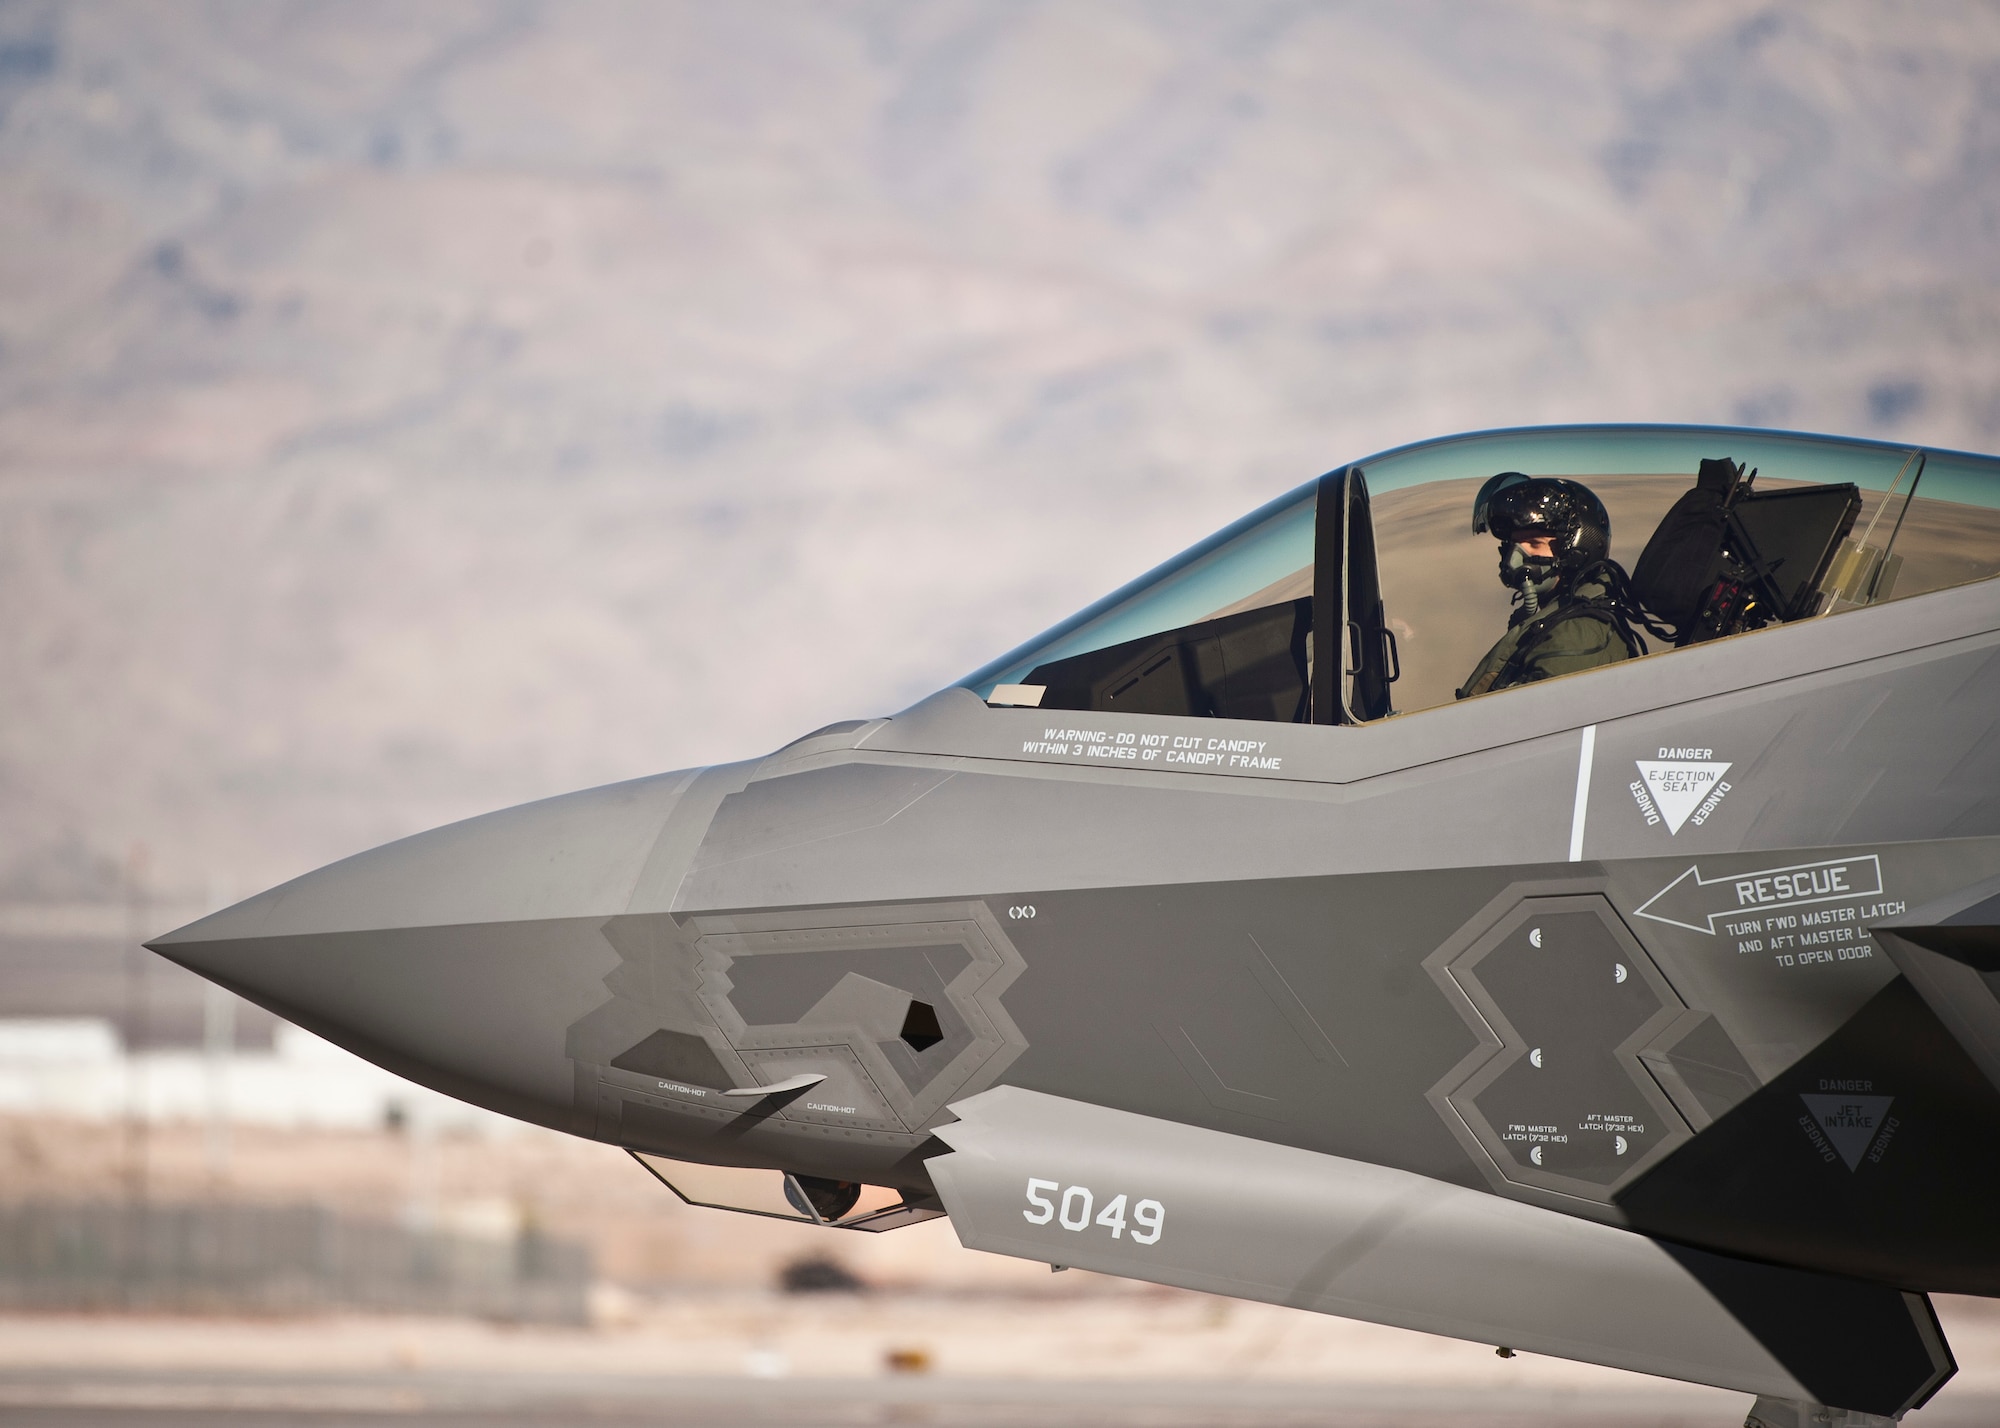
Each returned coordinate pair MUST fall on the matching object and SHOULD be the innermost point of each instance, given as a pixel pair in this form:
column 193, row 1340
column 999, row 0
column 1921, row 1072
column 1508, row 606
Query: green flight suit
column 1577, row 632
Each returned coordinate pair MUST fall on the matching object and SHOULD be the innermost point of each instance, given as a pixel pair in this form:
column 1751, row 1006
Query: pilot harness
column 1615, row 608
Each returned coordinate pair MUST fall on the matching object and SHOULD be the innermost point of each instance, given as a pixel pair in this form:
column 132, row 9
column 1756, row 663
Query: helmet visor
column 1482, row 504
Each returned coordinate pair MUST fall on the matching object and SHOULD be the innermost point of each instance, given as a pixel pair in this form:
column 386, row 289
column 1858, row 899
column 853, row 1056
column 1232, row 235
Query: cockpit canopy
column 1367, row 592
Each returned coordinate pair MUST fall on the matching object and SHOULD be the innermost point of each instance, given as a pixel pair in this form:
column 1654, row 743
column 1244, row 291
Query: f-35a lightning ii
column 1644, row 1016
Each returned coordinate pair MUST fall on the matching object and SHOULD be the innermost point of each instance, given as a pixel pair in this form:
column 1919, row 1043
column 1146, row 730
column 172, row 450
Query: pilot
column 1573, row 609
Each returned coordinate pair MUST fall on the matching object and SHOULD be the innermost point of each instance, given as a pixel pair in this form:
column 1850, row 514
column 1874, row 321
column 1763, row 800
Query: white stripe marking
column 1583, row 758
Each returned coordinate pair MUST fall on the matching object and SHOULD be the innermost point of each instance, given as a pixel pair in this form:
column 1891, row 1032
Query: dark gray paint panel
column 1220, row 1075
column 1567, row 1001
column 773, row 991
column 1701, row 1070
column 675, row 1056
column 1559, row 1101
column 847, row 978
column 1146, row 999
column 1896, row 749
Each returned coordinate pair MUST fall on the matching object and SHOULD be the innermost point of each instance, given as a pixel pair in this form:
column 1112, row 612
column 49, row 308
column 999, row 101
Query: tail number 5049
column 1072, row 1210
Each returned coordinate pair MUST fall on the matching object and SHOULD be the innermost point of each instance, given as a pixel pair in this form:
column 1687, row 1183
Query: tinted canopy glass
column 1830, row 525
column 1263, row 560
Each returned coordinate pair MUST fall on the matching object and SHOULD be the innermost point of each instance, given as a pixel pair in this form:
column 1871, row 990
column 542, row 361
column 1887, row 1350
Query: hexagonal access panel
column 899, row 1007
column 1564, row 999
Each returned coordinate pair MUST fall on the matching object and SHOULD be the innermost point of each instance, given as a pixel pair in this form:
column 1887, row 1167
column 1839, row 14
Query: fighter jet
column 1643, row 1014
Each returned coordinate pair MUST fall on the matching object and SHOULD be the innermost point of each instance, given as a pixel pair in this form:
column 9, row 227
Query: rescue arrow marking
column 1684, row 902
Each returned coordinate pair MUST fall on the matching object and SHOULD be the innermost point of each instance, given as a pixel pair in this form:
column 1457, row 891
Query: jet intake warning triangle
column 1851, row 1123
column 1677, row 788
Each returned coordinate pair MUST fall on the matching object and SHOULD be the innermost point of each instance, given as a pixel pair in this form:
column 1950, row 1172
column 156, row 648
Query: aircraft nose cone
column 460, row 957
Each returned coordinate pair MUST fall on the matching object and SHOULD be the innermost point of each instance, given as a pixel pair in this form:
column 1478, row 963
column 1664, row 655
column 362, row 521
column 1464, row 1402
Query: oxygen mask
column 1534, row 577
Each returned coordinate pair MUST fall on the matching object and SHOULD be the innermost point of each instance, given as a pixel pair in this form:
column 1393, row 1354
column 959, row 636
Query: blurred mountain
column 408, row 410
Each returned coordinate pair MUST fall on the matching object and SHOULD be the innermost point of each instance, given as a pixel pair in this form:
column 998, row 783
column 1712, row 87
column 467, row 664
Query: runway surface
column 176, row 1399
column 761, row 1360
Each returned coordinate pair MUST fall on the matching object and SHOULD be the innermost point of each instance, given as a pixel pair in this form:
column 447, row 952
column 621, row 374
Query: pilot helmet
column 1575, row 521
